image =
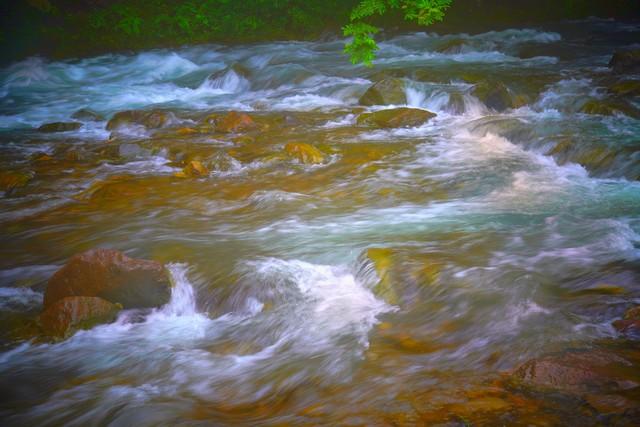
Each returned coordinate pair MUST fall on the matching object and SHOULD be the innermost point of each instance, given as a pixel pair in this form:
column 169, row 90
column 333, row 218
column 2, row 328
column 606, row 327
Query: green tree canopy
column 362, row 48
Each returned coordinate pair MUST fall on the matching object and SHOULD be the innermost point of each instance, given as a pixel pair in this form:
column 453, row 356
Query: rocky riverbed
column 267, row 235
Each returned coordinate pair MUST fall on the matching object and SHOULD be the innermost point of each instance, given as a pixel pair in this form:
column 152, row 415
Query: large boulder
column 235, row 122
column 385, row 92
column 396, row 117
column 59, row 127
column 304, row 153
column 153, row 119
column 113, row 276
column 63, row 317
column 626, row 61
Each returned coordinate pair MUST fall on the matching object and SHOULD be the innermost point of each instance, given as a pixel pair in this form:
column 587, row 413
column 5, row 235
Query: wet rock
column 10, row 180
column 111, row 275
column 194, row 169
column 87, row 115
column 580, row 371
column 630, row 323
column 626, row 88
column 385, row 92
column 396, row 117
column 494, row 95
column 153, row 119
column 63, row 317
column 627, row 326
column 632, row 313
column 304, row 153
column 59, row 127
column 626, row 61
column 382, row 260
column 235, row 122
column 610, row 108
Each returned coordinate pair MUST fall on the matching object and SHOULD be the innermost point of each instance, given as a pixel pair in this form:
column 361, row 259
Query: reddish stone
column 113, row 276
column 235, row 122
column 66, row 315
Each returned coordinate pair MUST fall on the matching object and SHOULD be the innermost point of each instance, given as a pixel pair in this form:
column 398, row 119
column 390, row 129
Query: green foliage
column 362, row 48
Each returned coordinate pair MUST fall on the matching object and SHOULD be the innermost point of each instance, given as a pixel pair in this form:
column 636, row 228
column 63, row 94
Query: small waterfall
column 183, row 301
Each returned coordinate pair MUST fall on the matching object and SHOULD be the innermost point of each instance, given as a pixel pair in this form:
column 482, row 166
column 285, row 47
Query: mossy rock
column 382, row 261
column 626, row 88
column 389, row 91
column 494, row 95
column 395, row 118
column 59, row 127
column 610, row 108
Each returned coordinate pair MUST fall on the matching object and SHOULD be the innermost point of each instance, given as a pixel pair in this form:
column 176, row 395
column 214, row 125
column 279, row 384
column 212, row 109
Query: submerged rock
column 87, row 115
column 111, row 275
column 626, row 61
column 235, row 122
column 153, row 119
column 304, row 153
column 10, row 180
column 385, row 92
column 396, row 117
column 63, row 317
column 580, row 371
column 59, row 127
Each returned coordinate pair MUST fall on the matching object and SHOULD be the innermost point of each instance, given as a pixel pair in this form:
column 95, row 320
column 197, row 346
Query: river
column 499, row 245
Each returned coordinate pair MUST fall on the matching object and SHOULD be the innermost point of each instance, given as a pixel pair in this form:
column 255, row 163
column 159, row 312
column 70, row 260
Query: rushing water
column 497, row 249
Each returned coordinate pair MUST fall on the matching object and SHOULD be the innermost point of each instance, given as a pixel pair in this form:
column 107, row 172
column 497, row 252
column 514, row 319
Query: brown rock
column 111, row 275
column 396, row 117
column 153, row 119
column 304, row 153
column 579, row 371
column 194, row 169
column 626, row 61
column 632, row 313
column 235, row 122
column 627, row 326
column 59, row 127
column 66, row 315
